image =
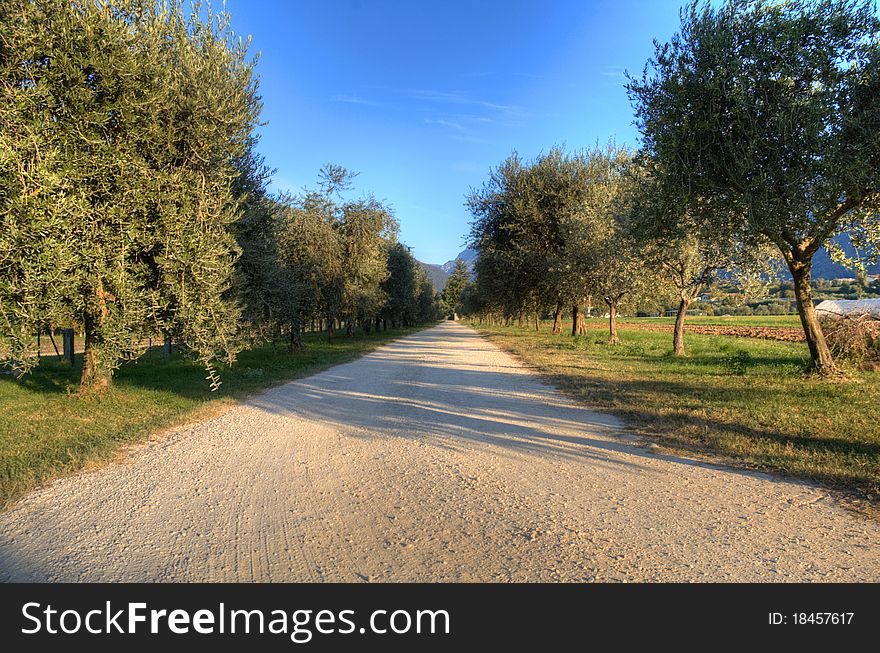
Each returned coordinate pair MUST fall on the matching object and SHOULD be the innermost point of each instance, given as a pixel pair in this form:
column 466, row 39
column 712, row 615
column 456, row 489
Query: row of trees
column 458, row 281
column 333, row 261
column 760, row 129
column 580, row 230
column 133, row 202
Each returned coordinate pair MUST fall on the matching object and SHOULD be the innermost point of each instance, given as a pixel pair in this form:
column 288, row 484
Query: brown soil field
column 785, row 334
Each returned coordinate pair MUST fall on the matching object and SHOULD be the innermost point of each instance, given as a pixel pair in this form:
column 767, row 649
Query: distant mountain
column 436, row 274
column 825, row 268
column 468, row 256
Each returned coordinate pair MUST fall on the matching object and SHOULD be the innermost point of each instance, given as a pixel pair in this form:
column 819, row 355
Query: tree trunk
column 94, row 375
column 613, row 338
column 330, row 321
column 68, row 344
column 295, row 343
column 557, row 319
column 537, row 320
column 678, row 334
column 578, row 323
column 54, row 346
column 821, row 360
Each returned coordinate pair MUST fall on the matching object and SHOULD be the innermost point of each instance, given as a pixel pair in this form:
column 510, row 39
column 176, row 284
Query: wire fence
column 53, row 345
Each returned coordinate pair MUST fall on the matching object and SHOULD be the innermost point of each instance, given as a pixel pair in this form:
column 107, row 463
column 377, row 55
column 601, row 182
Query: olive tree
column 338, row 248
column 600, row 257
column 428, row 300
column 520, row 216
column 258, row 273
column 561, row 186
column 120, row 126
column 401, row 287
column 770, row 110
column 546, row 234
column 366, row 227
column 682, row 249
column 503, row 231
column 310, row 265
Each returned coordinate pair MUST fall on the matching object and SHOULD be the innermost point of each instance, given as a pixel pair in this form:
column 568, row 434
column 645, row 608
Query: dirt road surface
column 435, row 458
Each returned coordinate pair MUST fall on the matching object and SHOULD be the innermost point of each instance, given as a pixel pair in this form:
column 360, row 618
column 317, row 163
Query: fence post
column 67, row 356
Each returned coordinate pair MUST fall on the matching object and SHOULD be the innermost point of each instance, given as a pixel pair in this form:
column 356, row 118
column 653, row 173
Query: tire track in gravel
column 435, row 458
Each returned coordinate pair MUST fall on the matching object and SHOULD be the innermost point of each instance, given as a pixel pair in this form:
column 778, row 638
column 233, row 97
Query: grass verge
column 743, row 399
column 792, row 321
column 47, row 431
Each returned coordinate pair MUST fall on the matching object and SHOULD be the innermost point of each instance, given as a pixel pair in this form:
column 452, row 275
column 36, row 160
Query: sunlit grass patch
column 743, row 398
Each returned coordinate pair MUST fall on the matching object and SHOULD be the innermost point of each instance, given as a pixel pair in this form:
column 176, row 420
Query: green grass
column 743, row 399
column 46, row 430
column 717, row 320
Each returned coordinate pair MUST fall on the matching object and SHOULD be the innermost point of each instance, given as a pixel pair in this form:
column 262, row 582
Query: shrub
column 853, row 338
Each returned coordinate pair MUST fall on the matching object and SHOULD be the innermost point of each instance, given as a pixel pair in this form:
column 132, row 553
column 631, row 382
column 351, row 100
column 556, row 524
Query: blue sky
column 422, row 98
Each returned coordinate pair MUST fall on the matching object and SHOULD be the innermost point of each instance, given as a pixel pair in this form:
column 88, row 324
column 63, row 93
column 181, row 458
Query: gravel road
column 435, row 458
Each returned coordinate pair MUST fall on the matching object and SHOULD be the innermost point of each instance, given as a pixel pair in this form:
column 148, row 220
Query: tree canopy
column 121, row 125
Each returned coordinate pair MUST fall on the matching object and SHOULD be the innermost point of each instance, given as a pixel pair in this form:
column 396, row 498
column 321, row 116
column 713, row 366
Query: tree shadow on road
column 419, row 388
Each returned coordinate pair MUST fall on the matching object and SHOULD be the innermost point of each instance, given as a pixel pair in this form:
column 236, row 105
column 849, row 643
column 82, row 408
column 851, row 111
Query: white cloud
column 354, row 99
column 444, row 97
column 444, row 123
column 617, row 72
